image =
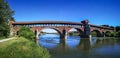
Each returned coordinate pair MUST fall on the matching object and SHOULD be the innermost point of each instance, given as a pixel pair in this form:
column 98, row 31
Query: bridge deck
column 58, row 22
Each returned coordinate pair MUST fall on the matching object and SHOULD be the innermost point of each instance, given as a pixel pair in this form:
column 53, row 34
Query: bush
column 26, row 32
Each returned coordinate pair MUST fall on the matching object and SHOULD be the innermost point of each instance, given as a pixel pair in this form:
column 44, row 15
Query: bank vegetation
column 21, row 47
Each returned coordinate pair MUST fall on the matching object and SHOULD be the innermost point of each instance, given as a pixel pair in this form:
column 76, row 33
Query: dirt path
column 6, row 39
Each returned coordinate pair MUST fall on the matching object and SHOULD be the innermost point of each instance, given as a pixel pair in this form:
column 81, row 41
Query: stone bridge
column 61, row 27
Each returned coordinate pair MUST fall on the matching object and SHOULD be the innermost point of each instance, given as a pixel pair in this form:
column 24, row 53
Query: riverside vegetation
column 5, row 16
column 23, row 46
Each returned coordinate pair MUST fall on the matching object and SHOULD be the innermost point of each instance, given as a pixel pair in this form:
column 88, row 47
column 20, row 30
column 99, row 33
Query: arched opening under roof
column 108, row 33
column 95, row 33
column 74, row 36
column 75, row 32
column 49, row 37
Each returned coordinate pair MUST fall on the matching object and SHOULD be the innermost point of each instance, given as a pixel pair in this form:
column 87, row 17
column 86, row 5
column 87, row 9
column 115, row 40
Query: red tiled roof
column 56, row 22
column 47, row 22
column 100, row 26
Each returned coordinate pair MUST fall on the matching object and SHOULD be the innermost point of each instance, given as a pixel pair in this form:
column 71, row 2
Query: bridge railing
column 43, row 25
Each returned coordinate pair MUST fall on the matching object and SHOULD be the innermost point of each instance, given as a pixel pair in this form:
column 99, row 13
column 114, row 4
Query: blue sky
column 96, row 11
column 48, row 30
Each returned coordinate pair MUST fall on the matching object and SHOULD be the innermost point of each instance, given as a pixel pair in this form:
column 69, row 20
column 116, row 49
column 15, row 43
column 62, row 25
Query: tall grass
column 22, row 48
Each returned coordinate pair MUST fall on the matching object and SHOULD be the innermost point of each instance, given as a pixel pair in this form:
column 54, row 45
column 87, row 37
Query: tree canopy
column 6, row 14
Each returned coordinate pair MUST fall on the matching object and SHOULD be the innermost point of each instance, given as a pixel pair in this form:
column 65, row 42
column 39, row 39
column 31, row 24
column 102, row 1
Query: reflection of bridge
column 61, row 27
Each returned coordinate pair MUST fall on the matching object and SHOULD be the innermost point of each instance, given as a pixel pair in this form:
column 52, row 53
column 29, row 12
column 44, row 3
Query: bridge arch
column 96, row 33
column 81, row 32
column 108, row 33
column 58, row 31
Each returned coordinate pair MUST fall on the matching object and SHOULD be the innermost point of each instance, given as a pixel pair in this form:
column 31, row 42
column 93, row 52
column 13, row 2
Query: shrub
column 26, row 32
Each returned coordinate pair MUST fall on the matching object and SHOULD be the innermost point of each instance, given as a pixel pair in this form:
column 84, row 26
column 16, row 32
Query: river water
column 76, row 47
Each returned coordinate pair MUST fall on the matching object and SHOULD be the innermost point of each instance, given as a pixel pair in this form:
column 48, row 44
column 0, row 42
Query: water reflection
column 84, row 44
column 76, row 47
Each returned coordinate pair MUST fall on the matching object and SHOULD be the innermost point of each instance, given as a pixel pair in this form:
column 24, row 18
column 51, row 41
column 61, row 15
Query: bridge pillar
column 36, row 34
column 102, row 34
column 12, row 31
column 63, row 34
column 86, row 29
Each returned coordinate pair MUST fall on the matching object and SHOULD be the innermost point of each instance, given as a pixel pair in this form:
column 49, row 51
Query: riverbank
column 22, row 48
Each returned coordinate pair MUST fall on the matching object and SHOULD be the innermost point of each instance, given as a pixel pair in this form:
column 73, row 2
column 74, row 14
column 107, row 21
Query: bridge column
column 36, row 34
column 12, row 31
column 86, row 29
column 63, row 34
column 103, row 34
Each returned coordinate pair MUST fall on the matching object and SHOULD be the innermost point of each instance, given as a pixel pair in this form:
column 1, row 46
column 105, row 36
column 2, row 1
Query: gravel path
column 6, row 39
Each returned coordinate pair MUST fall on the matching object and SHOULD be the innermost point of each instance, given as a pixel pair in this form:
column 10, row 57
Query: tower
column 86, row 28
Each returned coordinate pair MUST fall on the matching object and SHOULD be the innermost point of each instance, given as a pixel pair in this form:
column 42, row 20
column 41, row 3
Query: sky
column 49, row 30
column 98, row 12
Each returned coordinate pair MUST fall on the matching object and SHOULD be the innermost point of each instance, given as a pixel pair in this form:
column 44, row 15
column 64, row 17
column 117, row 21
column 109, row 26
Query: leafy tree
column 113, row 34
column 26, row 32
column 105, row 25
column 117, row 28
column 12, row 19
column 108, row 34
column 71, row 33
column 111, row 26
column 117, row 34
column 5, row 15
column 93, row 33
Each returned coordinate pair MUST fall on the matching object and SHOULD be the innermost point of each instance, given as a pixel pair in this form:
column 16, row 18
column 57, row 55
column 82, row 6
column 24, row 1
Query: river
column 76, row 47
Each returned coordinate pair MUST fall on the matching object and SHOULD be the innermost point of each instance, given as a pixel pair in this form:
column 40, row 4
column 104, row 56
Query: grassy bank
column 2, row 38
column 22, row 48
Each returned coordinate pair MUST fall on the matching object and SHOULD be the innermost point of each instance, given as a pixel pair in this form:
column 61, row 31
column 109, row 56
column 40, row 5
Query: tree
column 105, row 25
column 117, row 34
column 71, row 33
column 117, row 28
column 108, row 34
column 5, row 15
column 113, row 34
column 26, row 32
column 12, row 19
column 93, row 33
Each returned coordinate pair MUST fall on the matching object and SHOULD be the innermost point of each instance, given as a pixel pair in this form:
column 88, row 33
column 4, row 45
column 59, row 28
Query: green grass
column 22, row 48
column 2, row 38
